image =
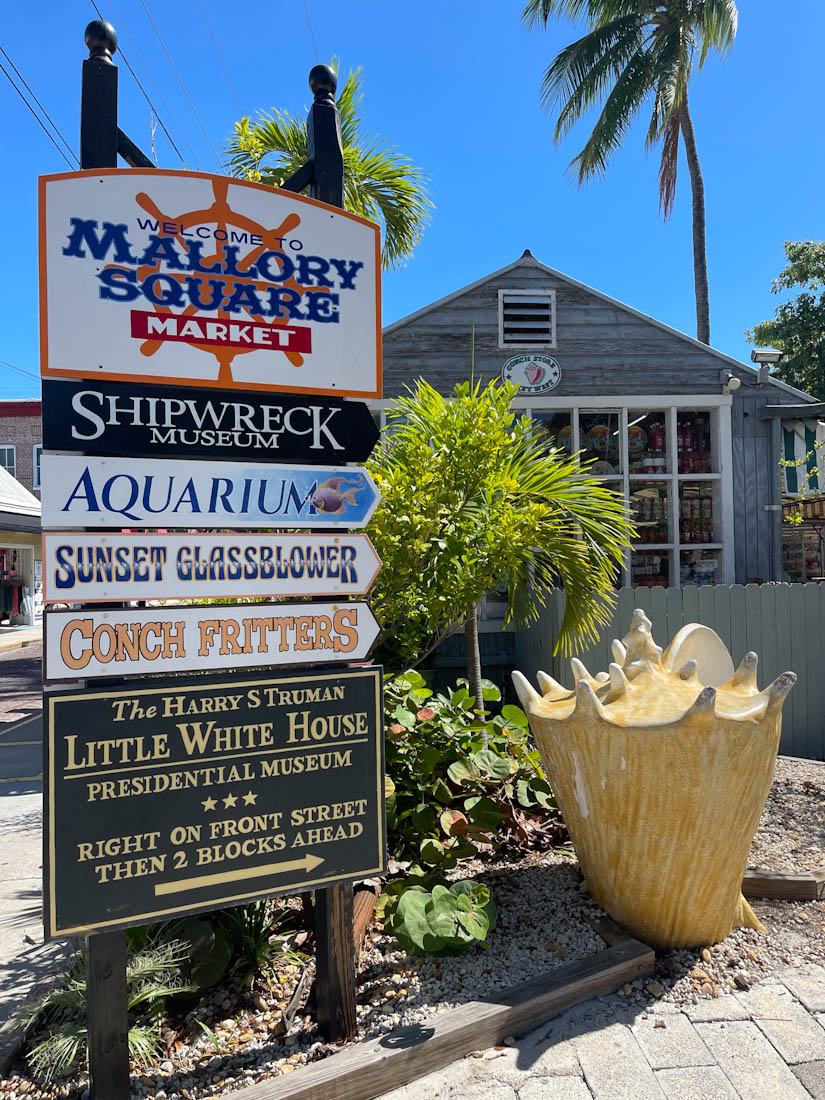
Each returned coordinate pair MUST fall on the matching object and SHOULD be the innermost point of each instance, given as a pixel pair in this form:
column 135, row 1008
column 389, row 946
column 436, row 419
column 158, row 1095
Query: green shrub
column 442, row 921
column 459, row 784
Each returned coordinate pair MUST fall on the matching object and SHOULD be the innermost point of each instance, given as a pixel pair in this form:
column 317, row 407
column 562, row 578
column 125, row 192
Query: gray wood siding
column 784, row 624
column 602, row 349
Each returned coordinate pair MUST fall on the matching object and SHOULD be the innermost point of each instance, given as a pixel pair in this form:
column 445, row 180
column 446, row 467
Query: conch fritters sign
column 173, row 277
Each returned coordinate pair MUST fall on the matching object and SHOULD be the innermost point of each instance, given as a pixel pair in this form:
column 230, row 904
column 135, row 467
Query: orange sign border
column 46, row 372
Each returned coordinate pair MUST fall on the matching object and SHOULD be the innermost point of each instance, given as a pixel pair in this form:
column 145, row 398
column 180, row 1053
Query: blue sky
column 455, row 86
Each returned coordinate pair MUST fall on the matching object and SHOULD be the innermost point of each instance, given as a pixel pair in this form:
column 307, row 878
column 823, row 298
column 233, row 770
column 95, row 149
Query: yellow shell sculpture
column 662, row 781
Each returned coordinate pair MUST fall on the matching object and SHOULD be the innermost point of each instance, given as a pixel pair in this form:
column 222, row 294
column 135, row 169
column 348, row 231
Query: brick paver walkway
column 767, row 1044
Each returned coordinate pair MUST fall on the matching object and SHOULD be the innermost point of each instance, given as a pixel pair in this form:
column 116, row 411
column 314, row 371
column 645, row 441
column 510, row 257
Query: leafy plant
column 60, row 1043
column 445, row 920
column 459, row 785
column 209, row 950
column 256, row 937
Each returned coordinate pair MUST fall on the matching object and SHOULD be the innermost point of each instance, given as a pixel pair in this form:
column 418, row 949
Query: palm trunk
column 473, row 655
column 700, row 258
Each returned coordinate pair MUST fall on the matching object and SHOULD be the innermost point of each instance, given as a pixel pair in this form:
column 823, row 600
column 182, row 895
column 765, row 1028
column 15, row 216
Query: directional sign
column 136, row 641
column 123, row 492
column 183, row 278
column 193, row 794
column 126, row 418
column 97, row 566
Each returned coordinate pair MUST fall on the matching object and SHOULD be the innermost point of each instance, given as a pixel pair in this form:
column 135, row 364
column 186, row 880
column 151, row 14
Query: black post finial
column 101, row 38
column 323, row 82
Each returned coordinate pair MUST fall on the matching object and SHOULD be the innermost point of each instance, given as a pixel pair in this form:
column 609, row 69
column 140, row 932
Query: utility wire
column 19, row 370
column 311, row 33
column 40, row 105
column 220, row 58
column 183, row 86
column 143, row 90
column 36, row 115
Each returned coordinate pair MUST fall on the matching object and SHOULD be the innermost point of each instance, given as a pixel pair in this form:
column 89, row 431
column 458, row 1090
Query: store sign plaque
column 184, row 278
column 80, row 491
column 533, row 374
column 102, row 566
column 147, row 640
column 151, row 421
column 188, row 795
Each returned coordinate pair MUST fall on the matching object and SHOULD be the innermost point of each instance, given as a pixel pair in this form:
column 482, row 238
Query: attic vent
column 526, row 319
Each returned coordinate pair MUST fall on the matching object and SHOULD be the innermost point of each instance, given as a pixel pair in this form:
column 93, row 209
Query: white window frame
column 535, row 292
column 36, row 465
column 10, row 447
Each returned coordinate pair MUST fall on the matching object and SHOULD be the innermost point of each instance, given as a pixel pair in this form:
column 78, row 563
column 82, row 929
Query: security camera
column 765, row 355
column 730, row 382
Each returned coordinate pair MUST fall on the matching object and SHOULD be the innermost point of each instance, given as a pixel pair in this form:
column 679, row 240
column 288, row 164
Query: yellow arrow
column 308, row 863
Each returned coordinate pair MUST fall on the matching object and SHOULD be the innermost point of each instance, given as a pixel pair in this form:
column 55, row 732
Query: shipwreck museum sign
column 196, row 794
column 187, row 278
column 121, row 418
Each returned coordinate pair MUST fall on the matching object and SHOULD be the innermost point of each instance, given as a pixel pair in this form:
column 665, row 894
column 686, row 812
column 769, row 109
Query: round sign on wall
column 532, row 373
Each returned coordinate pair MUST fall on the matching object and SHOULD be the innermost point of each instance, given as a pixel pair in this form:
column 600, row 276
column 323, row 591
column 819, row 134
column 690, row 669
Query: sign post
column 262, row 310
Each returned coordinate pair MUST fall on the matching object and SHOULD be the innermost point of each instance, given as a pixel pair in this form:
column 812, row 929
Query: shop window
column 699, row 512
column 802, row 554
column 650, row 509
column 37, row 450
column 557, row 428
column 647, row 448
column 600, row 440
column 694, row 443
column 526, row 319
column 701, row 567
column 8, row 459
column 650, row 569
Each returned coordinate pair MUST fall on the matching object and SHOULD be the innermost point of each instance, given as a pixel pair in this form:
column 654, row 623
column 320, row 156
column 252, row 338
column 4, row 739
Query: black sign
column 199, row 793
column 147, row 421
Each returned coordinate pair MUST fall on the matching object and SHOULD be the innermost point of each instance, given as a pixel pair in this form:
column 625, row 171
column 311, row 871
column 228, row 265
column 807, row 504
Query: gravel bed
column 544, row 921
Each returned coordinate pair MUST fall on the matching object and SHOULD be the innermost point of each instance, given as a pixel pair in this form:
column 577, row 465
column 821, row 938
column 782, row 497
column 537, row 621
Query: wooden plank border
column 808, row 886
column 383, row 1064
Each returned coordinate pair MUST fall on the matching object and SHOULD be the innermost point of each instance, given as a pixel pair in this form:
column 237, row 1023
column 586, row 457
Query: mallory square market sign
column 184, row 278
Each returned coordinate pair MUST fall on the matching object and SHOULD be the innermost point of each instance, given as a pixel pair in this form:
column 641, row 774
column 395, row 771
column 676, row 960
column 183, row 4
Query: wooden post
column 106, row 1017
column 335, row 963
column 107, row 1020
column 334, row 957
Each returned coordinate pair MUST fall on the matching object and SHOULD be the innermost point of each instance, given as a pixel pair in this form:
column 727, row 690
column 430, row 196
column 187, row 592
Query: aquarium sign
column 80, row 491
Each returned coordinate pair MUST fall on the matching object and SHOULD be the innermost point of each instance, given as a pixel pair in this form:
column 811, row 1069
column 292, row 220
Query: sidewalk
column 766, row 1044
column 14, row 637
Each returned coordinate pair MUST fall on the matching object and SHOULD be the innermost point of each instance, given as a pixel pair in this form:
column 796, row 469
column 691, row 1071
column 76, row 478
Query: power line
column 311, row 33
column 36, row 115
column 40, row 105
column 143, row 90
column 220, row 58
column 19, row 370
column 182, row 85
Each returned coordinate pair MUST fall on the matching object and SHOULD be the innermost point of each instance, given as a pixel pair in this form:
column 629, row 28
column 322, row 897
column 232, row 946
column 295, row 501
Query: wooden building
column 661, row 413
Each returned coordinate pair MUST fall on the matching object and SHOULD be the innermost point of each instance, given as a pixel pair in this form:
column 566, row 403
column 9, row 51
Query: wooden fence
column 783, row 623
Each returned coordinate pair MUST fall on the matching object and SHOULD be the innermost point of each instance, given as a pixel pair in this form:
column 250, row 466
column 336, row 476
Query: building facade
column 675, row 427
column 21, row 442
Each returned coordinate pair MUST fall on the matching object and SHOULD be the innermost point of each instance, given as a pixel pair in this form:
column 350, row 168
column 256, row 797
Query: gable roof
column 527, row 259
column 16, row 498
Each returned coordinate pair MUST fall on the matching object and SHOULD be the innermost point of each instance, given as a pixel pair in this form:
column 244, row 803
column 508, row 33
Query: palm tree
column 473, row 495
column 635, row 51
column 379, row 183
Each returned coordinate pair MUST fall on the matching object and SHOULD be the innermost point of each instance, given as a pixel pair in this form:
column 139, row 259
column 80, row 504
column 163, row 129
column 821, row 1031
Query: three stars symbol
column 210, row 803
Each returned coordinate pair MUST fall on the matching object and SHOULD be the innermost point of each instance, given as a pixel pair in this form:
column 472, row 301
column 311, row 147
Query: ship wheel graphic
column 223, row 217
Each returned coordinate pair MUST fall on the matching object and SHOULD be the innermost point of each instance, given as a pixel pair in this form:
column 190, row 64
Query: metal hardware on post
column 98, row 101
column 324, row 146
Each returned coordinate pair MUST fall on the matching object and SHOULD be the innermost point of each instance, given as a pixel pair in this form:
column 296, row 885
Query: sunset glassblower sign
column 183, row 277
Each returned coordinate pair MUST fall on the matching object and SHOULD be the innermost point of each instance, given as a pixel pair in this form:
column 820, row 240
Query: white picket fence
column 783, row 623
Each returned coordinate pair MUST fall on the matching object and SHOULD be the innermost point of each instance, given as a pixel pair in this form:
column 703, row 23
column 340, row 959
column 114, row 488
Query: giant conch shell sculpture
column 661, row 780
